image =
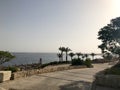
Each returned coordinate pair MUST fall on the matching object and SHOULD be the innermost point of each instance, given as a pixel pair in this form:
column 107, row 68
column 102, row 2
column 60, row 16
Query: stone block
column 5, row 75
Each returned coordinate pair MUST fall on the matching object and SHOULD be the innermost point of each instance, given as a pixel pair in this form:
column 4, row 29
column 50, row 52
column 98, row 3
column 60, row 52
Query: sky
column 45, row 25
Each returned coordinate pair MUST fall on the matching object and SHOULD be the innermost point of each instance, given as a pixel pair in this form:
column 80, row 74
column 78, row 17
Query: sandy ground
column 75, row 79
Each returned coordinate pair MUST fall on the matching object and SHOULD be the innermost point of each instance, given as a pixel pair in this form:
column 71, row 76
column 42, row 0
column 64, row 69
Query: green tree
column 5, row 56
column 83, row 56
column 117, row 51
column 93, row 55
column 59, row 56
column 71, row 55
column 86, row 56
column 110, row 37
column 66, row 51
column 62, row 49
column 107, row 56
column 79, row 54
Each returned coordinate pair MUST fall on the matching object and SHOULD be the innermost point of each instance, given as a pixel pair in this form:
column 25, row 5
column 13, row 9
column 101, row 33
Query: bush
column 117, row 65
column 44, row 65
column 55, row 63
column 64, row 62
column 77, row 62
column 12, row 69
column 88, row 62
column 113, row 71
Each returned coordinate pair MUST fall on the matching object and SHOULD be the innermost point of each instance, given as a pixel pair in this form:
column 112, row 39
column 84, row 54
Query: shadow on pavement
column 78, row 85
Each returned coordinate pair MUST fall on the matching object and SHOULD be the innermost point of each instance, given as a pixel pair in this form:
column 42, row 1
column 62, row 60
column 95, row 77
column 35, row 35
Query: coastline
column 75, row 79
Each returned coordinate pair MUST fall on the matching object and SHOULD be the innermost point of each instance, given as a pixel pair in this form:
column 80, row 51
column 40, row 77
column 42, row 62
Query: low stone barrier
column 5, row 75
column 27, row 73
column 112, row 81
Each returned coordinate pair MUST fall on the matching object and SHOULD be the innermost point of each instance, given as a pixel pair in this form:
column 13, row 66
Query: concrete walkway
column 76, row 79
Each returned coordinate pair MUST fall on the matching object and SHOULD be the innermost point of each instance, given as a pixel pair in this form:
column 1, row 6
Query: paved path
column 75, row 79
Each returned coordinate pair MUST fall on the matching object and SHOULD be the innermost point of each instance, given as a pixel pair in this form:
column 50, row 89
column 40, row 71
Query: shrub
column 44, row 65
column 87, row 62
column 117, row 65
column 55, row 63
column 64, row 62
column 114, row 71
column 12, row 69
column 77, row 62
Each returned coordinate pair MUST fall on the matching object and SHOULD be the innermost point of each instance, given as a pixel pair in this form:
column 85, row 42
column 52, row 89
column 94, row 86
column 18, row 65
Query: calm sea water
column 28, row 58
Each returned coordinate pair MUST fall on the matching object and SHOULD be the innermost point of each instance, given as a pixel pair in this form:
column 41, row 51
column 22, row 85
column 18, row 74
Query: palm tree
column 86, row 55
column 92, row 54
column 59, row 56
column 66, row 51
column 71, row 55
column 79, row 54
column 62, row 49
column 83, row 56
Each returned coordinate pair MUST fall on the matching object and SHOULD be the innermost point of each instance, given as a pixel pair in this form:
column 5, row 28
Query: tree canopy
column 5, row 56
column 110, row 37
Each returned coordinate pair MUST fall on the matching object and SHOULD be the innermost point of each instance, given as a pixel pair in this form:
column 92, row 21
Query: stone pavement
column 75, row 79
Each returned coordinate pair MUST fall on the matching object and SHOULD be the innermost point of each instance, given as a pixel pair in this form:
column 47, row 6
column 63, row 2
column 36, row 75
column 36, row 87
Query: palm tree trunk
column 62, row 56
column 66, row 57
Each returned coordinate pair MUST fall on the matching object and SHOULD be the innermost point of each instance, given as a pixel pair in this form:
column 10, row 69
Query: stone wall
column 27, row 73
column 112, row 81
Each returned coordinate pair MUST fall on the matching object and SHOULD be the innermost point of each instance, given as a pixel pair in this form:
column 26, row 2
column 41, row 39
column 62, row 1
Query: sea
column 29, row 58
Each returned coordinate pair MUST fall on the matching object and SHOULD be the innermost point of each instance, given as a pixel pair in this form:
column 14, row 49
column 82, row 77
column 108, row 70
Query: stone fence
column 27, row 73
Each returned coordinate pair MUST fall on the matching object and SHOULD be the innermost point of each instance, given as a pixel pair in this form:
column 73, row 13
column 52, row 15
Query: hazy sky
column 45, row 25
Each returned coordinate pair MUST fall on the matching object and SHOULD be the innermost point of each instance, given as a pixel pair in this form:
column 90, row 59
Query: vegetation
column 115, row 70
column 83, row 56
column 55, row 63
column 92, row 54
column 107, row 56
column 12, row 69
column 66, row 51
column 59, row 56
column 74, row 61
column 78, row 55
column 71, row 55
column 88, row 62
column 86, row 56
column 77, row 61
column 62, row 49
column 110, row 37
column 5, row 56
